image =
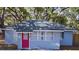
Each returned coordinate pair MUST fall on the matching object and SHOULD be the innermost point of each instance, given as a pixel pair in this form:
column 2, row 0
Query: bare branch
column 19, row 18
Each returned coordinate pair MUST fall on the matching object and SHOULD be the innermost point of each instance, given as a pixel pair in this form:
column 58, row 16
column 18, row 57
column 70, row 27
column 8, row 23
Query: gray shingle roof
column 30, row 25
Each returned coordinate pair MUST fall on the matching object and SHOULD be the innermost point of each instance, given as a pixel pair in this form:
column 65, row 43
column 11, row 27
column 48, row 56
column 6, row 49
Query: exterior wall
column 10, row 37
column 43, row 45
column 19, row 40
column 50, row 41
column 68, row 38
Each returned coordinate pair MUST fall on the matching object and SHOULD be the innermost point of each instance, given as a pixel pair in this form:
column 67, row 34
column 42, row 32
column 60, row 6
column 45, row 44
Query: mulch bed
column 8, row 47
column 69, row 47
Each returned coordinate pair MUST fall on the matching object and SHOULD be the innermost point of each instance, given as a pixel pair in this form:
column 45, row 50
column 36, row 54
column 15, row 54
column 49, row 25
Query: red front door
column 25, row 40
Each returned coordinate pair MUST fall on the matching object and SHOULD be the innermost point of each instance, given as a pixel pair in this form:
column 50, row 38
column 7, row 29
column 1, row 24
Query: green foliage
column 60, row 19
column 39, row 9
column 14, row 15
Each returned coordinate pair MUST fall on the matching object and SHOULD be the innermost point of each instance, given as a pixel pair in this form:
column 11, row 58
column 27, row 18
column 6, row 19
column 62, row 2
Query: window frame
column 26, row 35
column 33, row 35
column 50, row 36
column 42, row 36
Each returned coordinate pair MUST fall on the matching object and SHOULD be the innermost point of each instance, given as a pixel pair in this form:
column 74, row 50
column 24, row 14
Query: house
column 37, row 34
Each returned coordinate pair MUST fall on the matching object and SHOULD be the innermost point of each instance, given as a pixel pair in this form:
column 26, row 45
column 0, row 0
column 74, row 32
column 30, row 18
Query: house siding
column 52, row 40
column 10, row 37
column 48, row 43
column 43, row 45
column 68, row 38
column 19, row 40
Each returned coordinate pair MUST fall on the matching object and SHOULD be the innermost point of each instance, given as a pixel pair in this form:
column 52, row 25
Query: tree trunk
column 2, row 17
column 2, row 21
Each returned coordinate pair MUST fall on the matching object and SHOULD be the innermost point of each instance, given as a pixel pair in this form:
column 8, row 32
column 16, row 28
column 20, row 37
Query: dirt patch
column 69, row 47
column 8, row 47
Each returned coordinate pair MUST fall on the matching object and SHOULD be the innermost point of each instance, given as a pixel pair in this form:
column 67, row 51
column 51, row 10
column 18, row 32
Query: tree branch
column 2, row 17
column 15, row 13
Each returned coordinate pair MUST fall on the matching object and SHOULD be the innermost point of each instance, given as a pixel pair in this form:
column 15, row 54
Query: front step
column 8, row 47
column 2, row 41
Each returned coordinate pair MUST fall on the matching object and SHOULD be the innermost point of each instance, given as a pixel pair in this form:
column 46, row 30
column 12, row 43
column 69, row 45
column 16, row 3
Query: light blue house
column 39, row 35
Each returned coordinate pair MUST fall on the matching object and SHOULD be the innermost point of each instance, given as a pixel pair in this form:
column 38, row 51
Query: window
column 62, row 35
column 26, row 36
column 49, row 36
column 33, row 36
column 42, row 35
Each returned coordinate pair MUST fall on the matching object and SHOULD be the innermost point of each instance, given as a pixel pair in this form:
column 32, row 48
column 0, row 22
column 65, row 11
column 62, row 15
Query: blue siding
column 19, row 40
column 68, row 38
column 49, row 43
column 44, row 44
column 9, row 37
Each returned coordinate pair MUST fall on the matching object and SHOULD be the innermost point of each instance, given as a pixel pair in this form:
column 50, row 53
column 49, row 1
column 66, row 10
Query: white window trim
column 50, row 36
column 45, row 36
column 34, row 35
column 38, row 36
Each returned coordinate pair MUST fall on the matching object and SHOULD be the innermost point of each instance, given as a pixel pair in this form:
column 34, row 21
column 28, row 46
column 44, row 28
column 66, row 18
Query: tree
column 12, row 15
column 38, row 12
column 62, row 15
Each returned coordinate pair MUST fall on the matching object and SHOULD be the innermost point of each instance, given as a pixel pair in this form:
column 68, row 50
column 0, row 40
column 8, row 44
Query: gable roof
column 30, row 25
